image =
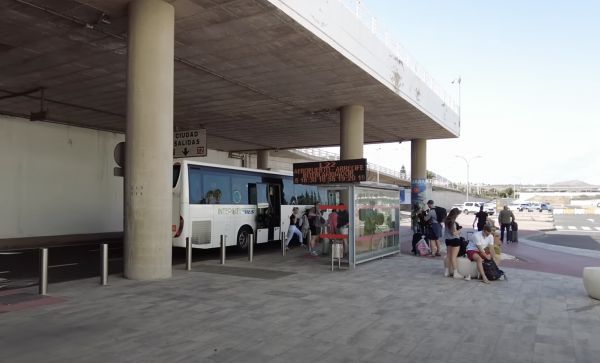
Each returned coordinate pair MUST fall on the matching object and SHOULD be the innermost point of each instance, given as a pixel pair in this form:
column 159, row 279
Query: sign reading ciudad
column 189, row 143
column 331, row 172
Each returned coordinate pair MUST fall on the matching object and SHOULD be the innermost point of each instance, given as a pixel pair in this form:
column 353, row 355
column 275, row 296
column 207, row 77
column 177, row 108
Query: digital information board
column 331, row 172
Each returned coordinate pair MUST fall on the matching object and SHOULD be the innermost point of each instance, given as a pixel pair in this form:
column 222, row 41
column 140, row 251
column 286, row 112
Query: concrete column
column 418, row 159
column 352, row 132
column 418, row 174
column 149, row 150
column 262, row 159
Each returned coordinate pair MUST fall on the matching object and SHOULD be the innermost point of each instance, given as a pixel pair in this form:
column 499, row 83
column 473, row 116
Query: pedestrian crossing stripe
column 573, row 228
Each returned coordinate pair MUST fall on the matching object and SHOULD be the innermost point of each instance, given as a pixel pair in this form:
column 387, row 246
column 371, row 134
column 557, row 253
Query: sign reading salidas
column 189, row 143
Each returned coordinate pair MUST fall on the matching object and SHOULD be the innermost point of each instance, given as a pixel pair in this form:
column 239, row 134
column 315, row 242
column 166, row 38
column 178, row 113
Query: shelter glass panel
column 376, row 222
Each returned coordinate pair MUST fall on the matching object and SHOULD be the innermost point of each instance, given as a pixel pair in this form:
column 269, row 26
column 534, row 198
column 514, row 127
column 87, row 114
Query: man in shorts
column 476, row 249
column 435, row 228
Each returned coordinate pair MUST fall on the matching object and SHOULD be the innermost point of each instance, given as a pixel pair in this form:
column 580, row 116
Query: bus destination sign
column 331, row 172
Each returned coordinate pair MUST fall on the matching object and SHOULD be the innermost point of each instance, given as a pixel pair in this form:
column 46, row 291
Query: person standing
column 452, row 238
column 315, row 219
column 293, row 229
column 480, row 218
column 435, row 228
column 505, row 218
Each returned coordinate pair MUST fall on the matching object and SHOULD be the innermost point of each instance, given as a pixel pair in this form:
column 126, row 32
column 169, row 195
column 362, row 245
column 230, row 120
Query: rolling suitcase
column 509, row 236
column 515, row 232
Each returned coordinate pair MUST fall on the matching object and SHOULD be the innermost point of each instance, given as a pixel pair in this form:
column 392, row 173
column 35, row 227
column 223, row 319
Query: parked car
column 545, row 207
column 473, row 207
column 524, row 207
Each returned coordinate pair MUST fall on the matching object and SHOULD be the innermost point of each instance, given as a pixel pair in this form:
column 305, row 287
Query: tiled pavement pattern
column 399, row 309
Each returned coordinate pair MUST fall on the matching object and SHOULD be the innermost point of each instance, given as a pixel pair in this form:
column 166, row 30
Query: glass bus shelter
column 374, row 218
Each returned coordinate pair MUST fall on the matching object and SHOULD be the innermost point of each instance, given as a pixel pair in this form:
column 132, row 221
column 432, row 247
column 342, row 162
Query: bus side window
column 287, row 194
column 195, row 185
column 217, row 188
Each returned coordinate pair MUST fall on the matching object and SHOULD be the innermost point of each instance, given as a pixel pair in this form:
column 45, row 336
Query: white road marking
column 10, row 253
column 591, row 220
column 572, row 227
column 64, row 264
column 598, row 228
column 559, row 227
column 586, row 228
column 4, row 272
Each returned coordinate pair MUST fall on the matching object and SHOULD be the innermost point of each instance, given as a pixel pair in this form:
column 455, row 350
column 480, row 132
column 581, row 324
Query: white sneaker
column 446, row 273
column 457, row 275
column 468, row 277
column 501, row 278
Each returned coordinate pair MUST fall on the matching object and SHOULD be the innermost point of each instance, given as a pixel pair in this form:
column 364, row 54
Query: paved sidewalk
column 293, row 309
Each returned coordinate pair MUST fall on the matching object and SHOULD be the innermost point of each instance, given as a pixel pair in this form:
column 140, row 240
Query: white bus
column 211, row 200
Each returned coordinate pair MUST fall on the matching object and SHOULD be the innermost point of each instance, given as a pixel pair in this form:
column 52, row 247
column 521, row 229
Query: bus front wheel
column 243, row 237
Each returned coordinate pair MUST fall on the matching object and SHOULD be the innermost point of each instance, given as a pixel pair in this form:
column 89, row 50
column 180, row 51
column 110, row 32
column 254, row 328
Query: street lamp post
column 467, row 161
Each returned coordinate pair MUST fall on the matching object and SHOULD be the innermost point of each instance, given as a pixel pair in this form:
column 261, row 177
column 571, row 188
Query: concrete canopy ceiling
column 244, row 70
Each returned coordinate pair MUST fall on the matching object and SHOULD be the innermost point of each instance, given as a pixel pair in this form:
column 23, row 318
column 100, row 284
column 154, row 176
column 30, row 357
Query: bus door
column 275, row 202
column 267, row 198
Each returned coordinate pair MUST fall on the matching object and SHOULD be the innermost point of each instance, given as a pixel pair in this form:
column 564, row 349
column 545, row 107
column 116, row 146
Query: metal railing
column 381, row 31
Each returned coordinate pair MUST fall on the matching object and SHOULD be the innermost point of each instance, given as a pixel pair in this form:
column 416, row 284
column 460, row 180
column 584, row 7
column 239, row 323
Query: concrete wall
column 57, row 180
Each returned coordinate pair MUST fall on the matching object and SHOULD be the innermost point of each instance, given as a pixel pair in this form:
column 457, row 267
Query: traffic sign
column 189, row 143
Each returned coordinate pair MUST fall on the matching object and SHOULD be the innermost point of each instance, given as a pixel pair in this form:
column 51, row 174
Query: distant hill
column 571, row 183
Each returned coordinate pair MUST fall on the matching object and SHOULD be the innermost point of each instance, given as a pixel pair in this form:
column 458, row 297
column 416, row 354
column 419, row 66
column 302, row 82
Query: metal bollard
column 188, row 254
column 104, row 265
column 283, row 237
column 223, row 239
column 251, row 248
column 43, row 287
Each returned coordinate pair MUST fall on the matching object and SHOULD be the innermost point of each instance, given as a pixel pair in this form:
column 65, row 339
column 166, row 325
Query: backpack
column 492, row 272
column 462, row 250
column 441, row 214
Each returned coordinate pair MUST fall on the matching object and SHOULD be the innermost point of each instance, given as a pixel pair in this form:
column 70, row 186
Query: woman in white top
column 476, row 249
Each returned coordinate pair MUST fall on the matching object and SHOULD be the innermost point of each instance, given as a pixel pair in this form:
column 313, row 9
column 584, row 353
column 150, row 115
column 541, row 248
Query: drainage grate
column 254, row 273
column 18, row 298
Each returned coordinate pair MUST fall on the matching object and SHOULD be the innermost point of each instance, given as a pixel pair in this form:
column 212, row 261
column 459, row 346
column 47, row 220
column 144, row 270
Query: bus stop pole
column 104, row 265
column 251, row 247
column 188, row 254
column 283, row 236
column 223, row 239
column 43, row 286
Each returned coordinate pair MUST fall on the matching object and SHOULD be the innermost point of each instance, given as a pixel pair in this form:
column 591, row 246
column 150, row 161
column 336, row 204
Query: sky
column 530, row 90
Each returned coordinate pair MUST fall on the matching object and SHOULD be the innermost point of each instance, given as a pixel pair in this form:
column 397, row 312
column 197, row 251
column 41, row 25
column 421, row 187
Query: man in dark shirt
column 480, row 218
